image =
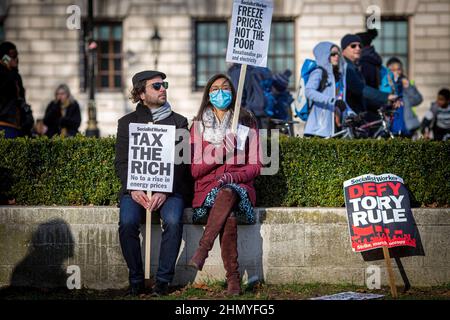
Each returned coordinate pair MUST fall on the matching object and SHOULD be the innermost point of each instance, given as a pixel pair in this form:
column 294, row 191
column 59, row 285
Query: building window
column 211, row 40
column 109, row 55
column 108, row 36
column 282, row 47
column 392, row 40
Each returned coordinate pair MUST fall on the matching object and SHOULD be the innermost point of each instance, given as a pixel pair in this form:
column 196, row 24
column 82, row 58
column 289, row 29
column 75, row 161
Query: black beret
column 145, row 75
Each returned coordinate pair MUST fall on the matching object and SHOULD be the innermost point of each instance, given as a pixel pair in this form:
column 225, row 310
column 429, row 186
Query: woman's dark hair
column 394, row 60
column 245, row 117
column 138, row 88
column 445, row 93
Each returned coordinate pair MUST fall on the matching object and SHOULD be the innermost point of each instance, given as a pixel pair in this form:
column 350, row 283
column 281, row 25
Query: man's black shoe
column 136, row 289
column 160, row 289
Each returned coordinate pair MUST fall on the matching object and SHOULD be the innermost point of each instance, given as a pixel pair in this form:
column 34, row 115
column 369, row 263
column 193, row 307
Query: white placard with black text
column 151, row 157
column 248, row 41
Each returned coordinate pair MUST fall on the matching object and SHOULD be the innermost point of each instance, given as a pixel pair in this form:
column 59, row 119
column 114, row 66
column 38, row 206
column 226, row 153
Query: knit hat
column 349, row 38
column 281, row 80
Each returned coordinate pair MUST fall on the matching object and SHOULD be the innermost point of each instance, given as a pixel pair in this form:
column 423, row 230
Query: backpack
column 302, row 106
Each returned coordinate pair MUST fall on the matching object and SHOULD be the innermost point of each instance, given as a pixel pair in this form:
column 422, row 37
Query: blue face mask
column 220, row 99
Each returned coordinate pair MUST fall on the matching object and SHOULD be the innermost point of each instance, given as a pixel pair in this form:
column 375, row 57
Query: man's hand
column 141, row 197
column 157, row 200
column 405, row 82
column 397, row 104
column 392, row 97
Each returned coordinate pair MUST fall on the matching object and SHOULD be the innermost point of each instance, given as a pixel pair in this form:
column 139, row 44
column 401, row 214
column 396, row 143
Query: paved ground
column 216, row 291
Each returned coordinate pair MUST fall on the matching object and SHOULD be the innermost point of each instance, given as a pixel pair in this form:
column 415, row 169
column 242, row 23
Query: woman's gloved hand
column 226, row 178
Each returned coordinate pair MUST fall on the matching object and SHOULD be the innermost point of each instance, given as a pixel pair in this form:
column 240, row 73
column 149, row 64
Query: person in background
column 283, row 98
column 328, row 103
column 62, row 116
column 359, row 96
column 223, row 190
column 16, row 116
column 437, row 119
column 370, row 60
column 405, row 121
column 256, row 95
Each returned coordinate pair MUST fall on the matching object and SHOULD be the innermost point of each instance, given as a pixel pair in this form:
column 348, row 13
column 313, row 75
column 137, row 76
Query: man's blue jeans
column 131, row 216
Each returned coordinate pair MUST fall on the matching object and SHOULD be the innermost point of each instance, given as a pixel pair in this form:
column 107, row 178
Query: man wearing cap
column 360, row 97
column 150, row 93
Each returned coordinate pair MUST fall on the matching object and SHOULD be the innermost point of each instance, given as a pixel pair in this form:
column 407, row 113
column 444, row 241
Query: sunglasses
column 333, row 54
column 157, row 85
column 353, row 46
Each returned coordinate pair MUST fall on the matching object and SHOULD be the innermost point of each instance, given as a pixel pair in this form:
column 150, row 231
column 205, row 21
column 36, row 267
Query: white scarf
column 214, row 130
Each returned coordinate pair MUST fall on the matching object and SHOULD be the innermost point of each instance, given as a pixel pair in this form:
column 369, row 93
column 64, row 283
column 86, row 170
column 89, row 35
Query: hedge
column 80, row 170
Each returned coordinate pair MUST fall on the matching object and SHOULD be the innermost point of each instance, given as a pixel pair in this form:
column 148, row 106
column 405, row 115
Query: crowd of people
column 62, row 115
column 346, row 80
column 351, row 80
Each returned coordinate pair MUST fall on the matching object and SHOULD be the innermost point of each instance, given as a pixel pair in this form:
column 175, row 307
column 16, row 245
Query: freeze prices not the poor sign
column 248, row 41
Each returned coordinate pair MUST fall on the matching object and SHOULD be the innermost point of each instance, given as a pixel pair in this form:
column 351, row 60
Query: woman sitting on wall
column 223, row 174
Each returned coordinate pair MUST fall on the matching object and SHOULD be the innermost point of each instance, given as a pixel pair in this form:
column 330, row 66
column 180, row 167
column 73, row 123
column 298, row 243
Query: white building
column 194, row 38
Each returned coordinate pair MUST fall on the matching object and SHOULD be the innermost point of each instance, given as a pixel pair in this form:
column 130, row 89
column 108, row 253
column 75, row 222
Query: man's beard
column 156, row 102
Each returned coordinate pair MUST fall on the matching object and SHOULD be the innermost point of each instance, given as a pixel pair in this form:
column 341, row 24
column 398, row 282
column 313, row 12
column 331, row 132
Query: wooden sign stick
column 148, row 237
column 387, row 258
column 240, row 90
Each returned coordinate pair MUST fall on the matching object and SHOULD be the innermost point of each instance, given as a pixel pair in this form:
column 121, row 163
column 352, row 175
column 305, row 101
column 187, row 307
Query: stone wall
column 286, row 245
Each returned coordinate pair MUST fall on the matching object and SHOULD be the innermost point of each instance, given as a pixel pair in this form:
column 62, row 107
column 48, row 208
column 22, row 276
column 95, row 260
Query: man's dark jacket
column 182, row 182
column 371, row 63
column 360, row 97
column 54, row 120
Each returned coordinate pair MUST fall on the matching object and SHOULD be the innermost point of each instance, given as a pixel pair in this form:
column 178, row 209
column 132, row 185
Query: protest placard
column 379, row 216
column 379, row 212
column 248, row 41
column 151, row 157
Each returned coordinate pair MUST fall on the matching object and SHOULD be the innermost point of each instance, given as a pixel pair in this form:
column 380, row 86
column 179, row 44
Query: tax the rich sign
column 379, row 212
column 151, row 157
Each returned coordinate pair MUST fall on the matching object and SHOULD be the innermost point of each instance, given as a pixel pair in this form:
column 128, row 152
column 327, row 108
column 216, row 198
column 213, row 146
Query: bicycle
column 350, row 128
column 385, row 121
column 355, row 128
column 285, row 126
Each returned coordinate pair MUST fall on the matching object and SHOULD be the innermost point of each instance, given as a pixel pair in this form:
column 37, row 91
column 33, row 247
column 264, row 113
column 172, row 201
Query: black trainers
column 160, row 289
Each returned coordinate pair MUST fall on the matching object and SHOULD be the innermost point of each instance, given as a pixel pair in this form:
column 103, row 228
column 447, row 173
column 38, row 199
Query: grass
column 215, row 290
